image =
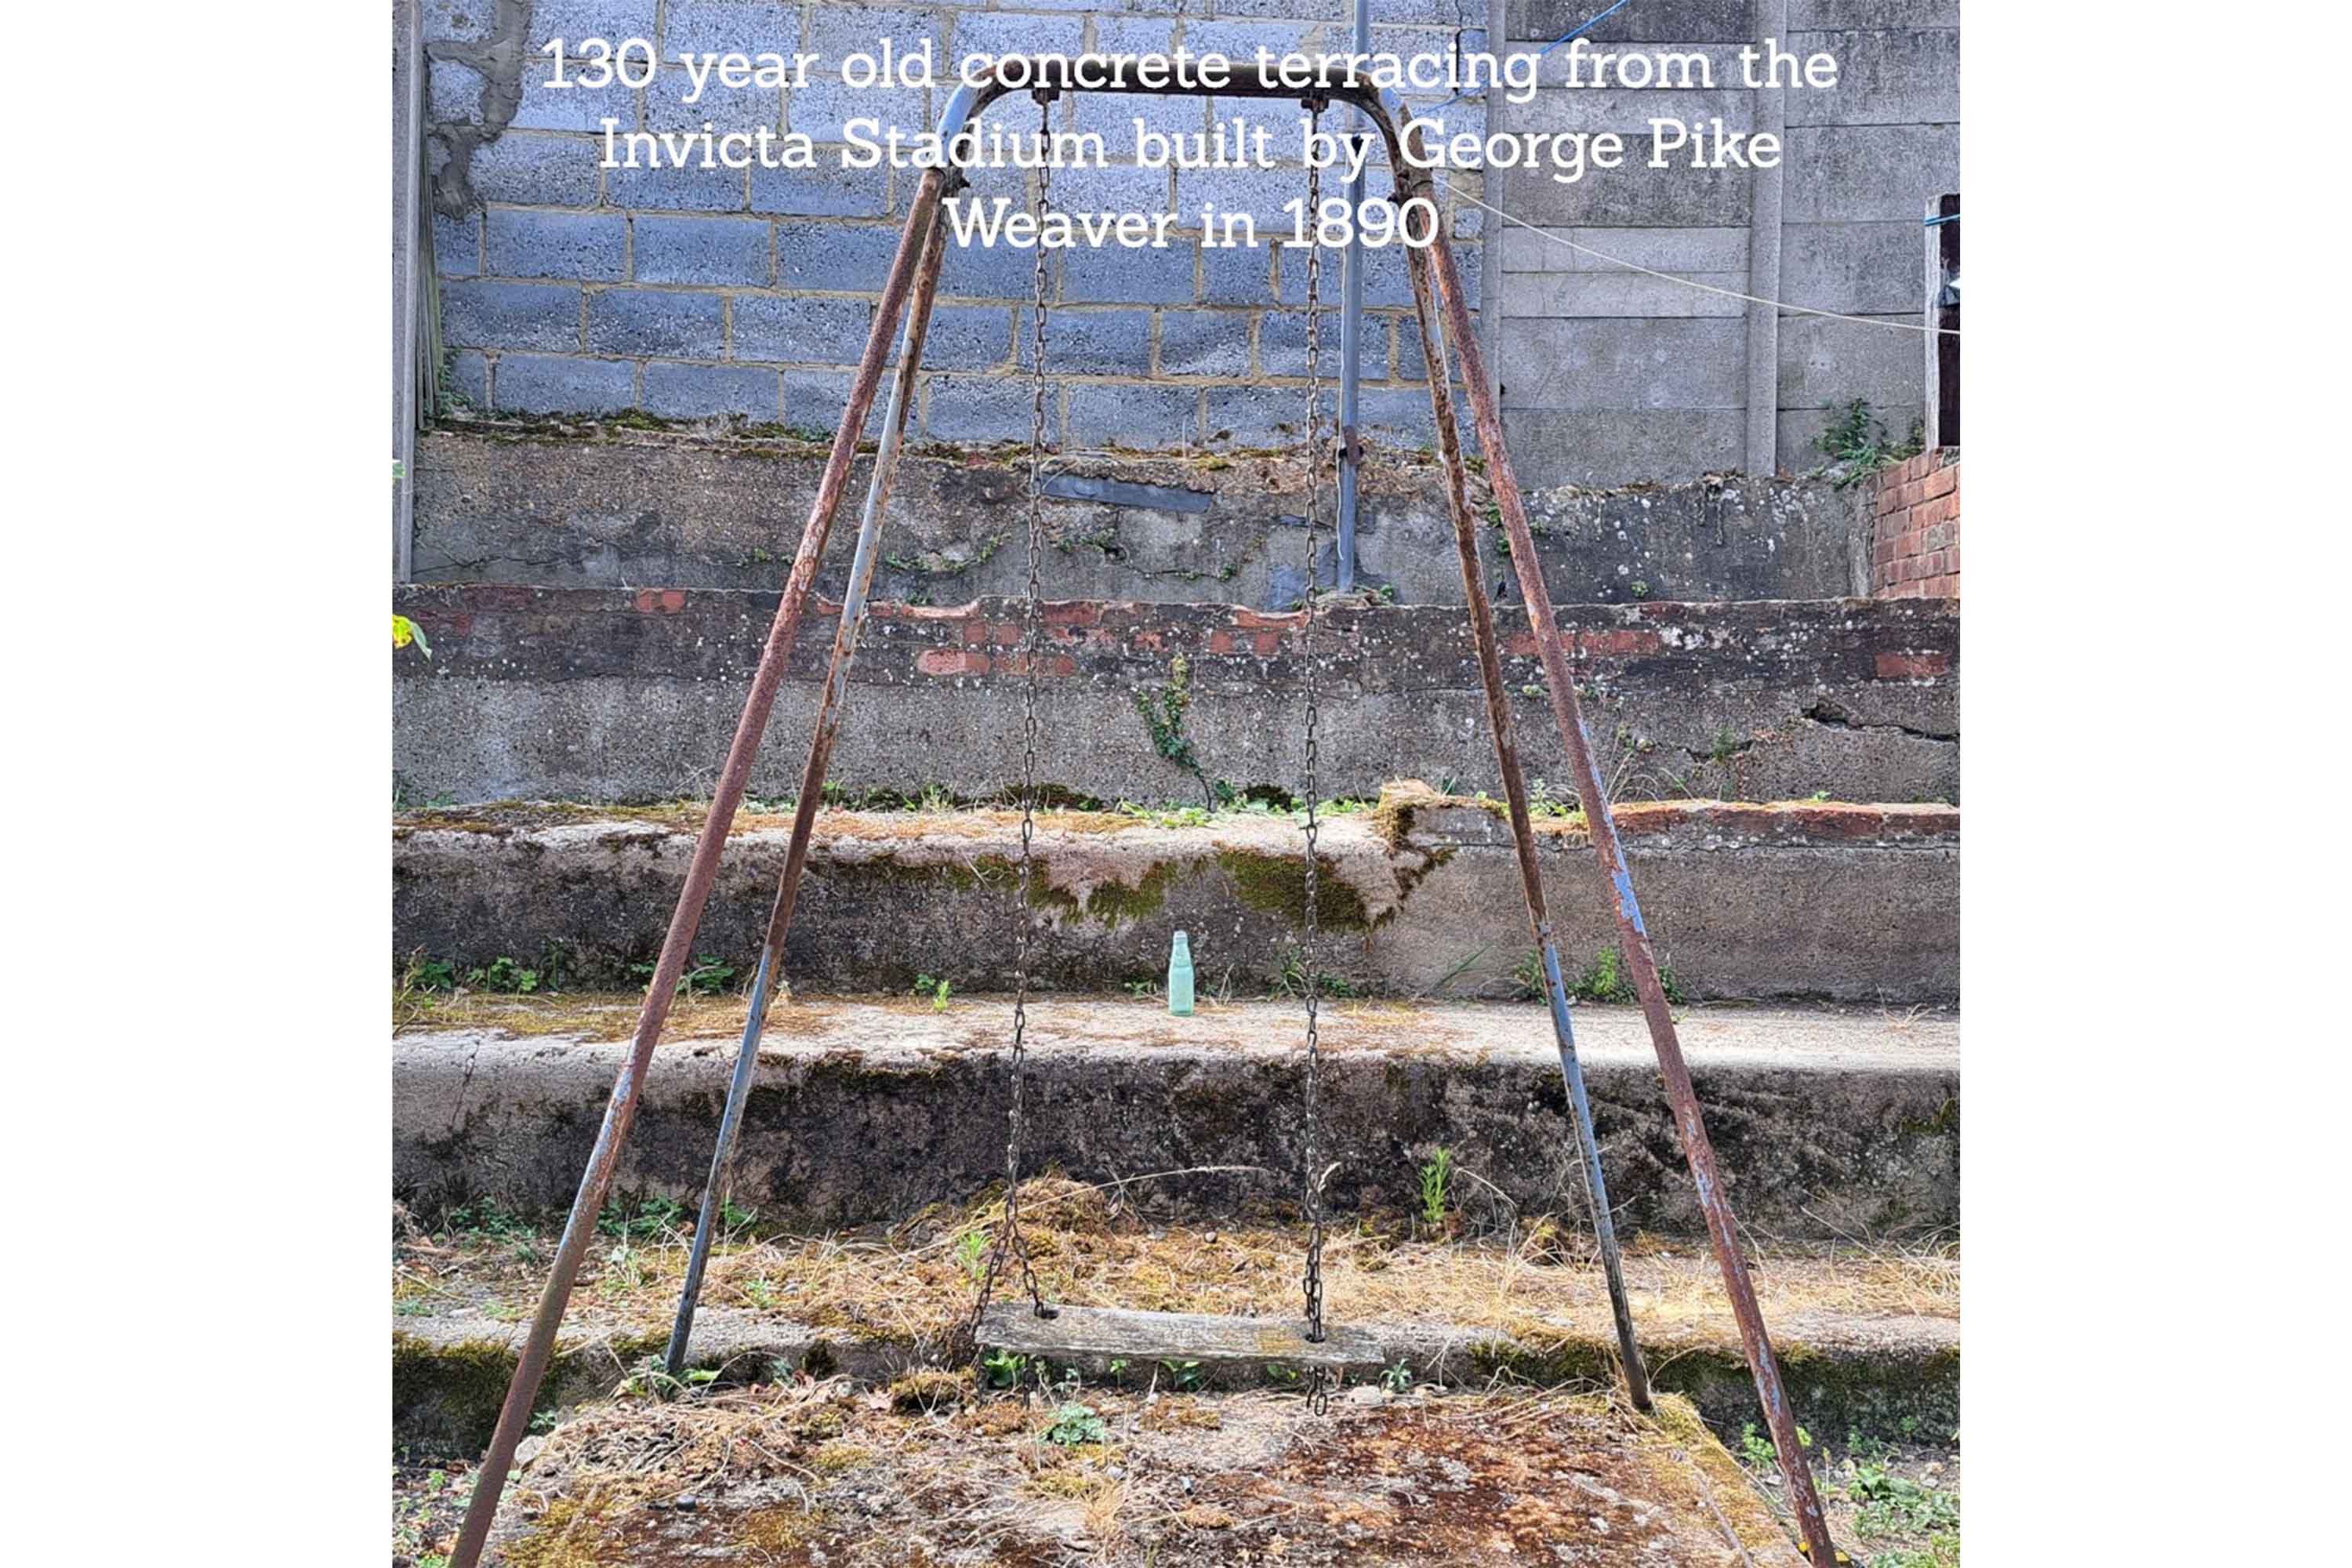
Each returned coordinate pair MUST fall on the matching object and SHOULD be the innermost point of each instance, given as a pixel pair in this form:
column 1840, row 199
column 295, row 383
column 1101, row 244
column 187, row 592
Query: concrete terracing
column 632, row 695
column 1827, row 1124
column 1420, row 896
column 625, row 507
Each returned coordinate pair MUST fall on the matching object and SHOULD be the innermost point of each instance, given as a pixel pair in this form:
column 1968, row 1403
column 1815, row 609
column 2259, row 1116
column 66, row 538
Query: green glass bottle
column 1180, row 978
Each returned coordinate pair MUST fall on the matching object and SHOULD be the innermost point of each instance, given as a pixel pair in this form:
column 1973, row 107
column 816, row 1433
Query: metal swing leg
column 539, row 1345
column 830, row 709
column 1514, row 792
column 1632, row 935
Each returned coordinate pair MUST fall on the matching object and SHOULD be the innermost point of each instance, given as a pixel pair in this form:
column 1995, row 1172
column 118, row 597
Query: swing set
column 1444, row 316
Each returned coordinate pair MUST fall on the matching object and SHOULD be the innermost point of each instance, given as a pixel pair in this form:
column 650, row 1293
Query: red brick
column 1911, row 666
column 670, row 601
column 1942, row 482
column 952, row 661
column 1072, row 613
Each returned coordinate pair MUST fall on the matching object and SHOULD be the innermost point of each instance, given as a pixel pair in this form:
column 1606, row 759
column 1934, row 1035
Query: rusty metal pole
column 831, row 706
column 539, row 1345
column 1634, row 936
column 1515, row 793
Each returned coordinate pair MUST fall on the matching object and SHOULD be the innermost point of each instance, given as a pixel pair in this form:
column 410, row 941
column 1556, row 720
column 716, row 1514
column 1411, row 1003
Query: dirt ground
column 821, row 1473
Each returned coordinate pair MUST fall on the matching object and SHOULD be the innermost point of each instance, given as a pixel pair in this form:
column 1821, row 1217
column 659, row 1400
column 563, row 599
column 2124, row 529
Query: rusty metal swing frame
column 911, row 288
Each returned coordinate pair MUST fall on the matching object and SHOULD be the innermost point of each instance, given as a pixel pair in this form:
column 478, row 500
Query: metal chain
column 1009, row 1239
column 1319, row 1386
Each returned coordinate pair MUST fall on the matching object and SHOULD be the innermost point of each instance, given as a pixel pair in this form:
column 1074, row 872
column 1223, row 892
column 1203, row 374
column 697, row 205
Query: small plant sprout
column 1003, row 1368
column 935, row 991
column 971, row 1254
column 1074, row 1425
column 1434, row 1177
column 1397, row 1379
column 1184, row 1377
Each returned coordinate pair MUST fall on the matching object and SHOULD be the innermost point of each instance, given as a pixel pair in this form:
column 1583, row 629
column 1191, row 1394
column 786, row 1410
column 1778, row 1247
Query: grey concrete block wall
column 1609, row 376
column 572, row 289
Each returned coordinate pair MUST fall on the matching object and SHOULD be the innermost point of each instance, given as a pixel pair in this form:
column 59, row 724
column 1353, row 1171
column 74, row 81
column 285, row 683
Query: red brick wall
column 1915, row 544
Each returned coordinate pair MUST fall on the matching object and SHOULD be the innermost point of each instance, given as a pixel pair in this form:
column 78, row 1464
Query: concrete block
column 1563, row 447
column 480, row 315
column 1282, row 340
column 1204, row 343
column 1824, row 362
column 1884, row 77
column 458, row 246
column 453, row 93
column 1652, row 21
column 669, row 322
column 986, row 408
column 1864, row 268
column 542, row 384
column 1000, row 33
column 1868, row 174
column 1814, row 14
column 1798, row 433
column 572, row 108
column 1117, row 188
column 532, row 169
column 814, row 401
column 1674, row 66
column 835, row 256
column 708, row 250
column 1112, row 275
column 977, row 271
column 1630, row 110
column 1388, row 279
column 1258, row 192
column 801, row 332
column 971, row 337
column 1113, row 116
column 1622, row 294
column 1282, row 122
column 750, row 27
column 571, row 20
column 459, row 21
column 519, row 243
column 469, row 377
column 1240, row 40
column 674, row 189
column 1621, row 364
column 1263, row 415
column 1094, row 342
column 1236, row 275
column 719, row 108
column 695, row 391
column 837, row 32
column 820, row 110
column 826, row 191
column 1666, row 250
column 1636, row 195
column 1111, row 414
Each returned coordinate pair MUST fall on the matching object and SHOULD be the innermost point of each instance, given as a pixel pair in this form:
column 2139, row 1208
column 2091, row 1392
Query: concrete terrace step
column 1792, row 901
column 611, row 507
column 1827, row 1124
column 632, row 694
column 1868, row 1339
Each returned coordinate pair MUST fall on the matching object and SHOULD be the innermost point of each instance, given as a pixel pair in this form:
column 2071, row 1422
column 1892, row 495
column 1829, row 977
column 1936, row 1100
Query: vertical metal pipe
column 1514, row 794
column 414, row 242
column 1351, row 332
column 620, row 1114
column 1632, row 935
column 830, row 710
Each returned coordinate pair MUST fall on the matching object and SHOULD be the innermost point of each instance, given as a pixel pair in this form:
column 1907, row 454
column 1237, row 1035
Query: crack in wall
column 1828, row 714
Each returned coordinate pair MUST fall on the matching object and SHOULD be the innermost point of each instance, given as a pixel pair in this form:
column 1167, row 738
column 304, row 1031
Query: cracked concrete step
column 1827, row 1124
column 632, row 694
column 1869, row 1340
column 1795, row 900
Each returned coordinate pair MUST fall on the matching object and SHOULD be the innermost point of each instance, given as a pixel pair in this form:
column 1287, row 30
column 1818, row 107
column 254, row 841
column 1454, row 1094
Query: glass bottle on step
column 1180, row 977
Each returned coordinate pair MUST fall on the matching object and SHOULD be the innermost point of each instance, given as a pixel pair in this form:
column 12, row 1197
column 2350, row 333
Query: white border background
column 197, row 695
